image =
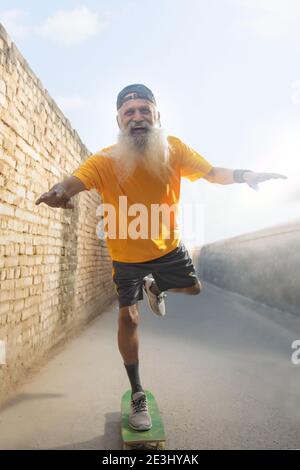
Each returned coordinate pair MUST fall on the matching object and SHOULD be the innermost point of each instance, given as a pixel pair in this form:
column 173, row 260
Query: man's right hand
column 56, row 197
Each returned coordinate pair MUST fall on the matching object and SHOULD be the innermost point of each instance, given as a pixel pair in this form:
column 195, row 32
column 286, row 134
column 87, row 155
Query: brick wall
column 55, row 274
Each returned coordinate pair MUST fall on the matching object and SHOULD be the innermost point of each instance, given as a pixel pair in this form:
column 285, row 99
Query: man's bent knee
column 196, row 288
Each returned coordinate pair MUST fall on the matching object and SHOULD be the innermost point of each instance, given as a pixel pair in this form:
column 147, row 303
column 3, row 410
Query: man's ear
column 117, row 117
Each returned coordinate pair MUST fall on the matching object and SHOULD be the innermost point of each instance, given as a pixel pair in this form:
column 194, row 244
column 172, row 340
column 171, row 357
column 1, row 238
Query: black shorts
column 173, row 270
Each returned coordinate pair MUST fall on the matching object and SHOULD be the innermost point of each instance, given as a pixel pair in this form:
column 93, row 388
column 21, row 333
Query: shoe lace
column 140, row 404
column 161, row 296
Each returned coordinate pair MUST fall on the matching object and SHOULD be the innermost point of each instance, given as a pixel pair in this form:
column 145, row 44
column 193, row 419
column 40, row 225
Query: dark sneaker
column 156, row 301
column 139, row 419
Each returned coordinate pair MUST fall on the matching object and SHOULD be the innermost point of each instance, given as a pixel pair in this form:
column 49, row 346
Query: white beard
column 149, row 149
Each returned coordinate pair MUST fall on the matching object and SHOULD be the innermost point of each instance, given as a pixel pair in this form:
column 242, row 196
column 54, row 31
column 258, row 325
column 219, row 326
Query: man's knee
column 129, row 316
column 196, row 288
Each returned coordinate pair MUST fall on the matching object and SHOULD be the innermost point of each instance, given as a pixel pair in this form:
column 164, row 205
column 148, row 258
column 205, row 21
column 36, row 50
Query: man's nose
column 137, row 116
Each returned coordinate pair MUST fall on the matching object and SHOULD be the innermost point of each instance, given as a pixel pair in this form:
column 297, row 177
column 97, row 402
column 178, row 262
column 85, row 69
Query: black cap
column 132, row 92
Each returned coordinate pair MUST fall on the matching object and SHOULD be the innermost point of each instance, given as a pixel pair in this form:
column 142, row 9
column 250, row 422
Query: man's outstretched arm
column 227, row 176
column 61, row 193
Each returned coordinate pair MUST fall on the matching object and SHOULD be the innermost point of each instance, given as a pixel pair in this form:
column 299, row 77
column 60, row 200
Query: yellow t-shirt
column 140, row 235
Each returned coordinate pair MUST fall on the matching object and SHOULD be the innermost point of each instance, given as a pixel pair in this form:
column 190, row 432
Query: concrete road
column 219, row 365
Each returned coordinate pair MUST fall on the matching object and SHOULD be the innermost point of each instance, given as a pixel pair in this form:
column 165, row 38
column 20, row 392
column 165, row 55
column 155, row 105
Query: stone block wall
column 55, row 274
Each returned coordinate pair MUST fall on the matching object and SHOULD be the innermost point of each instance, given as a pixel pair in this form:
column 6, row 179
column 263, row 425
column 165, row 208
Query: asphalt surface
column 218, row 364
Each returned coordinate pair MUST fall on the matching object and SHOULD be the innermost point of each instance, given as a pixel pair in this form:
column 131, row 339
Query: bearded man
column 145, row 168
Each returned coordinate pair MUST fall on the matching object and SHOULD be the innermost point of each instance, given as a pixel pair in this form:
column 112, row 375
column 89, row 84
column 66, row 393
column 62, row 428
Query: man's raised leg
column 193, row 290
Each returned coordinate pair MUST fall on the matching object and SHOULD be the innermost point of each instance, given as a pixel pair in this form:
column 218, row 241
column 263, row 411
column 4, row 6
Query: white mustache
column 136, row 125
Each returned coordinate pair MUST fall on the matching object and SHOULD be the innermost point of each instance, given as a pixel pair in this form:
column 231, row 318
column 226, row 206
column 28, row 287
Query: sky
column 225, row 74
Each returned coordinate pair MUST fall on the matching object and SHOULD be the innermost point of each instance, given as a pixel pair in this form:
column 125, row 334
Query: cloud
column 277, row 7
column 71, row 103
column 271, row 18
column 296, row 92
column 70, row 28
column 12, row 21
column 294, row 195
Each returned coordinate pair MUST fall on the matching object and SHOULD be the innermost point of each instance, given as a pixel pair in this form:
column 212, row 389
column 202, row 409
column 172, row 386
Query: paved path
column 218, row 364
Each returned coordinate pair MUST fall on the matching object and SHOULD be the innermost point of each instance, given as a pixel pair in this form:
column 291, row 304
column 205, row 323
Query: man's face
column 141, row 140
column 137, row 116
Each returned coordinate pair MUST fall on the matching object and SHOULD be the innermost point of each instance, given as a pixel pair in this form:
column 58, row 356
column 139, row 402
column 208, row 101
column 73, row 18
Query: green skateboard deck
column 152, row 439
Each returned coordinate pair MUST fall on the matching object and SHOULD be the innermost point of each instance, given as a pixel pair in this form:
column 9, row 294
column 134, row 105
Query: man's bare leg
column 193, row 290
column 128, row 340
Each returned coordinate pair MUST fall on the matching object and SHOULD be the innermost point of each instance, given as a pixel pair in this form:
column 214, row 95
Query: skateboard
column 152, row 439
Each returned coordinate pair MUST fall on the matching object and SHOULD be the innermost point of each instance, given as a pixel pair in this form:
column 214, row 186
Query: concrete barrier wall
column 264, row 265
column 55, row 274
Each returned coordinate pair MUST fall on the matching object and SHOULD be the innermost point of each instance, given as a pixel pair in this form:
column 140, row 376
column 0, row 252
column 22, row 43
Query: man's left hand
column 252, row 178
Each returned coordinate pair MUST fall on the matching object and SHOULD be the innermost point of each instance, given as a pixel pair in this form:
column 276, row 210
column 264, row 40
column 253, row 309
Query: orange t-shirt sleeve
column 89, row 172
column 193, row 165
